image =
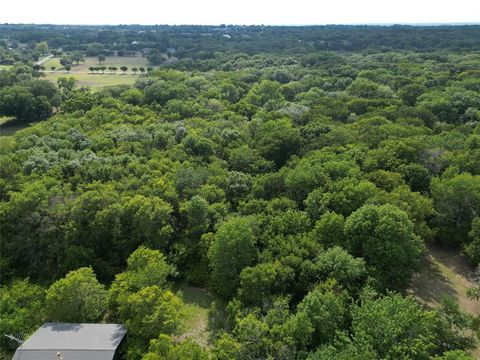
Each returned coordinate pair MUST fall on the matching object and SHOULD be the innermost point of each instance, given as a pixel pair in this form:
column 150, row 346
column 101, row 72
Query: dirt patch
column 445, row 273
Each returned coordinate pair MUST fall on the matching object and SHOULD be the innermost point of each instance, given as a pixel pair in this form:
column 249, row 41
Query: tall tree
column 78, row 297
column 232, row 250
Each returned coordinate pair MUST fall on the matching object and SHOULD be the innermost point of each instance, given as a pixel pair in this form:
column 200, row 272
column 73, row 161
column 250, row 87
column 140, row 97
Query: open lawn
column 98, row 80
column 94, row 80
column 5, row 67
column 129, row 61
column 52, row 62
column 198, row 321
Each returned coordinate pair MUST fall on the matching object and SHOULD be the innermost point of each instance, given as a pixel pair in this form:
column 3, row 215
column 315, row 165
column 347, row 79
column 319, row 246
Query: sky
column 242, row 12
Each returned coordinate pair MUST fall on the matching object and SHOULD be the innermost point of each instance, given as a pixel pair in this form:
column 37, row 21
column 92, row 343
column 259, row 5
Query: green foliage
column 329, row 230
column 290, row 170
column 319, row 315
column 454, row 355
column 457, row 201
column 472, row 249
column 368, row 89
column 335, row 263
column 151, row 311
column 145, row 268
column 277, row 140
column 78, row 297
column 233, row 249
column 384, row 237
column 163, row 348
column 22, row 309
column 407, row 331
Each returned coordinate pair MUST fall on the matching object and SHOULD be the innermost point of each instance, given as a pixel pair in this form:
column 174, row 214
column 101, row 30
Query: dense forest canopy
column 298, row 174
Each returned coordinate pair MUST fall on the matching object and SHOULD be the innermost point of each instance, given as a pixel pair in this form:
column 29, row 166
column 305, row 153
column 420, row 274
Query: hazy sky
column 239, row 12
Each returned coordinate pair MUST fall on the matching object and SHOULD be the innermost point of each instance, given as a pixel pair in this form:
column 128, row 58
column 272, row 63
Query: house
column 64, row 341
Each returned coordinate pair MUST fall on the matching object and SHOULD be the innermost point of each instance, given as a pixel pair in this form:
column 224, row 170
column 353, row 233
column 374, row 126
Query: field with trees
column 90, row 72
column 281, row 193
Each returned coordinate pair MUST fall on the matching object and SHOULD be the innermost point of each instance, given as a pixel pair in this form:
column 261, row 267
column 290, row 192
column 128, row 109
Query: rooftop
column 72, row 341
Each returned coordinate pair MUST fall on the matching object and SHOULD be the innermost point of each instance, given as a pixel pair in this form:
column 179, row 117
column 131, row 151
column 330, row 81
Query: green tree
column 78, row 297
column 384, row 237
column 266, row 93
column 78, row 57
column 145, row 267
column 42, row 47
column 328, row 229
column 407, row 331
column 17, row 101
column 233, row 249
column 335, row 263
column 277, row 140
column 101, row 58
column 319, row 315
column 258, row 283
column 151, row 311
column 164, row 348
column 66, row 84
column 472, row 248
column 457, row 201
column 22, row 309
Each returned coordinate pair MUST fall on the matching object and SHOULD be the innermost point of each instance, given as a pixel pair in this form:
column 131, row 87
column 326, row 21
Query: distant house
column 72, row 342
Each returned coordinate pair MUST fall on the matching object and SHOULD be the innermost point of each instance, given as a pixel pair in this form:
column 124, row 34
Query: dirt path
column 44, row 60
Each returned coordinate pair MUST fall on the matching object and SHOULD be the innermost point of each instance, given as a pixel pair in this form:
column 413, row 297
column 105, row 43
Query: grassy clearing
column 129, row 61
column 94, row 81
column 445, row 273
column 85, row 78
column 198, row 302
column 52, row 62
column 5, row 67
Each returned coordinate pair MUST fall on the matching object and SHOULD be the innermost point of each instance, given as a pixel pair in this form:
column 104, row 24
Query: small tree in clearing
column 101, row 58
column 53, row 68
column 124, row 69
column 134, row 69
column 92, row 69
column 67, row 68
column 142, row 69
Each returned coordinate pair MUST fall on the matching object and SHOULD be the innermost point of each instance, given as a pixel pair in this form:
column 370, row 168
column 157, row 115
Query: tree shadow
column 430, row 285
column 452, row 259
column 194, row 295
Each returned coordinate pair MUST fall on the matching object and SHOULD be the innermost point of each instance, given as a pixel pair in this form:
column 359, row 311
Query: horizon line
column 453, row 23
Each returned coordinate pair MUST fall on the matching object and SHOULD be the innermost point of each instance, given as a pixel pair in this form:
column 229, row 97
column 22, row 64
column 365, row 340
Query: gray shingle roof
column 72, row 341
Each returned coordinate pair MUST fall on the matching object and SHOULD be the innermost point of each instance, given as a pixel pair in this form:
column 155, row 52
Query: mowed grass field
column 94, row 81
column 5, row 67
column 52, row 62
column 98, row 80
column 129, row 61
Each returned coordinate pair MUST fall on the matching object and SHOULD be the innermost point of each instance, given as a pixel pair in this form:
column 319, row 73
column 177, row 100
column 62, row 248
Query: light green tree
column 78, row 297
column 232, row 250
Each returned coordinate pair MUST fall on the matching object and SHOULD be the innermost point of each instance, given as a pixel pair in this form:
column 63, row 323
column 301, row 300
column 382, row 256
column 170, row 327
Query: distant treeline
column 204, row 41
